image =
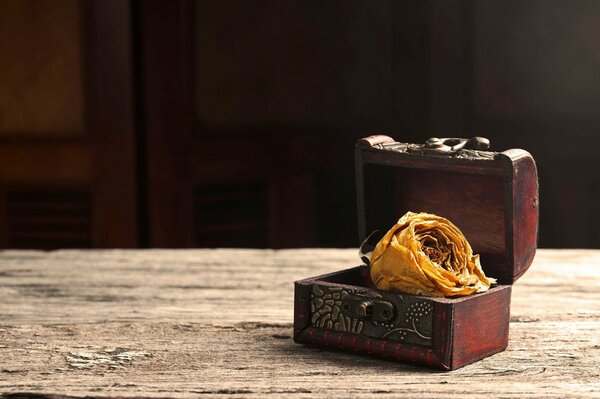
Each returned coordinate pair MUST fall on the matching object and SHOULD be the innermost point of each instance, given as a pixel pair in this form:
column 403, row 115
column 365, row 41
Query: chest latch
column 368, row 308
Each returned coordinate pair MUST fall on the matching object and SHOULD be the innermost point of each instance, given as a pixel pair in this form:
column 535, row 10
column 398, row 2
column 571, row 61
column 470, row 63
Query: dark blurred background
column 232, row 123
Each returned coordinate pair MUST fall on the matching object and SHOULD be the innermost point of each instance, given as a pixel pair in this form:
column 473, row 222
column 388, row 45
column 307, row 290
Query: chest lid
column 491, row 196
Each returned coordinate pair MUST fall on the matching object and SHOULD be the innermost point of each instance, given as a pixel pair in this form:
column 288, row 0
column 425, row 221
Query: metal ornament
column 473, row 148
column 402, row 318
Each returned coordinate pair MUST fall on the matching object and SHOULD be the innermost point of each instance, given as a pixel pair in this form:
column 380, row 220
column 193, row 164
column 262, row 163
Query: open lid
column 491, row 196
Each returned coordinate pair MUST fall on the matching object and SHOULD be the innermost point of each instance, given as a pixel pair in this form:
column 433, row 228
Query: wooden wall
column 252, row 112
column 227, row 123
column 67, row 156
column 525, row 74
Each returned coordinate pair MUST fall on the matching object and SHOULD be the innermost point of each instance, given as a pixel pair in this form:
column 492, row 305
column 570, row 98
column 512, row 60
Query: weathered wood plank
column 217, row 323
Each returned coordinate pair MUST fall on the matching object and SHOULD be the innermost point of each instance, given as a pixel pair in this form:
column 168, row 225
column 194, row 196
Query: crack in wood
column 112, row 359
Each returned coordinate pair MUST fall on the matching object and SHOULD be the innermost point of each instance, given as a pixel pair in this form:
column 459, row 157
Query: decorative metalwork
column 403, row 318
column 417, row 320
column 326, row 310
column 473, row 148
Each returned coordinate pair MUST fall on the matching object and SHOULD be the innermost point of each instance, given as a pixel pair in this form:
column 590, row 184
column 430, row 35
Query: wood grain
column 218, row 323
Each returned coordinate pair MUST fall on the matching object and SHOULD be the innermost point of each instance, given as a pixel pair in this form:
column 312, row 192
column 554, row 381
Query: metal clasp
column 367, row 308
column 450, row 145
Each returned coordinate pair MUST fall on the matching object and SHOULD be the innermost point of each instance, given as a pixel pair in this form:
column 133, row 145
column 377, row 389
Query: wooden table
column 217, row 323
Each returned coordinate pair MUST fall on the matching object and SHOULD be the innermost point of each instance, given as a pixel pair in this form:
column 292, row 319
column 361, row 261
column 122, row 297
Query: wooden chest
column 491, row 196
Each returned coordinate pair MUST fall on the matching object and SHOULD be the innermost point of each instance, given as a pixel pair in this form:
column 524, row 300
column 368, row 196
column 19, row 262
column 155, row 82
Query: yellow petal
column 400, row 263
column 398, row 269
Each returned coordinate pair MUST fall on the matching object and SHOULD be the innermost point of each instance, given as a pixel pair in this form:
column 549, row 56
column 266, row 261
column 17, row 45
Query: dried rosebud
column 425, row 254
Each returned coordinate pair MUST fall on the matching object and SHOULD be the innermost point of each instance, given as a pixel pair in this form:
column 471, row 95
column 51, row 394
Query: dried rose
column 425, row 254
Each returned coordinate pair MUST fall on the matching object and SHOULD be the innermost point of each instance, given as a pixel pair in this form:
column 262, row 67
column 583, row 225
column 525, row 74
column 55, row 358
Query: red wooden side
column 442, row 332
column 301, row 307
column 479, row 326
column 525, row 210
